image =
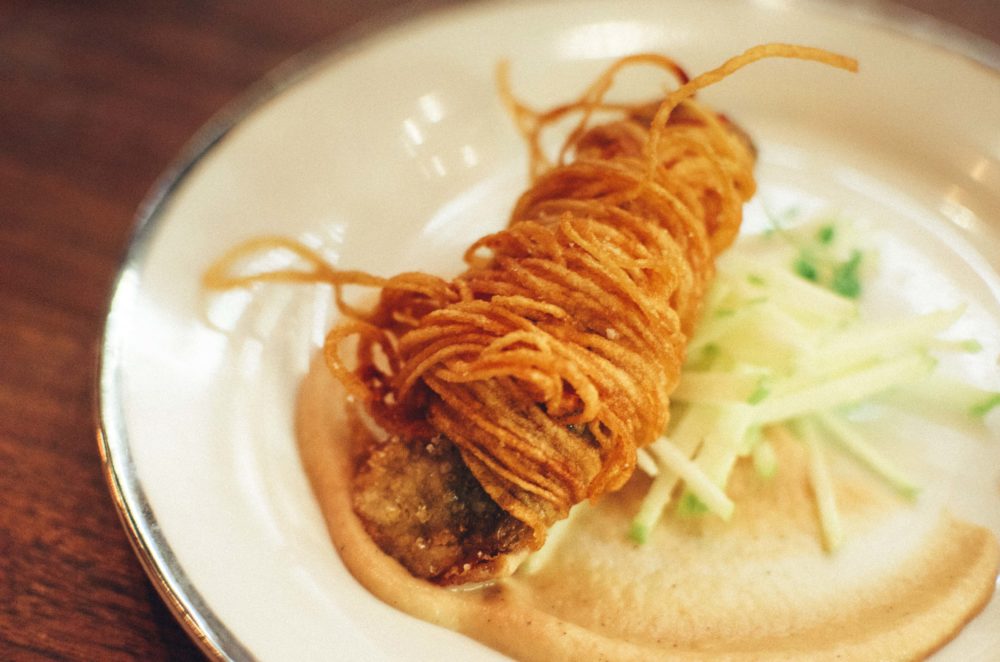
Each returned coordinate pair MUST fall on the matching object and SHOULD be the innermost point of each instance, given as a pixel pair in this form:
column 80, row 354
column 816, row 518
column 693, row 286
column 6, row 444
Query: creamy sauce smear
column 759, row 587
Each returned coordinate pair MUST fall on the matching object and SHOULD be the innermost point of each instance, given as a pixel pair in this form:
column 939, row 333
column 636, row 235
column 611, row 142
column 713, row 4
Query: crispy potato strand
column 551, row 359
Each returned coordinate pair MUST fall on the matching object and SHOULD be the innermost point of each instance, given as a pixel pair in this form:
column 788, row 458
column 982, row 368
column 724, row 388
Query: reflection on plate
column 394, row 153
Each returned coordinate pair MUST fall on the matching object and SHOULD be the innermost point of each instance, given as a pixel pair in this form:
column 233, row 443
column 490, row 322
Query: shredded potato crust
column 551, row 359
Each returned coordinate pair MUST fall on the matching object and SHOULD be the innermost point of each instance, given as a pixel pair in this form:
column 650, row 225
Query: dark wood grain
column 96, row 99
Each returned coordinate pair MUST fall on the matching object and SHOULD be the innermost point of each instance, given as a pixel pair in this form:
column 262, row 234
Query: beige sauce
column 757, row 588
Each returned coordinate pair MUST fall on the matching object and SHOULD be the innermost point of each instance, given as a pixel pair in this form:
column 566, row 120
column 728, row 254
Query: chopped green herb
column 971, row 346
column 826, row 234
column 982, row 408
column 709, row 352
column 846, row 281
column 639, row 533
column 805, row 266
column 691, row 505
column 762, row 391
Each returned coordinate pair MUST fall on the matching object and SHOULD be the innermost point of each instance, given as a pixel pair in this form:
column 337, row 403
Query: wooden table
column 96, row 99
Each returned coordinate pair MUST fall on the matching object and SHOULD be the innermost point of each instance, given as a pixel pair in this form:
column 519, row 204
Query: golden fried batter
column 551, row 359
column 421, row 505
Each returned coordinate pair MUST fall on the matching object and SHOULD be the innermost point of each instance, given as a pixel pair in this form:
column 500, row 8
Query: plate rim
column 133, row 508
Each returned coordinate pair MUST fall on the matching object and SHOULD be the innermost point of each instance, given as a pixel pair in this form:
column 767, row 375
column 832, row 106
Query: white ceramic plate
column 392, row 152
